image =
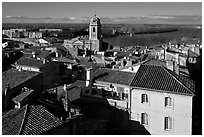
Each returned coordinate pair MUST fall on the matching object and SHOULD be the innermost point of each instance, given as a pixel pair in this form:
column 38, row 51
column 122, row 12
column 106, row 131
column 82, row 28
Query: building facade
column 161, row 101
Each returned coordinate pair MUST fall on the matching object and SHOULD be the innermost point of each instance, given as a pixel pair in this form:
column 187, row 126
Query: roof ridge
column 177, row 80
column 23, row 121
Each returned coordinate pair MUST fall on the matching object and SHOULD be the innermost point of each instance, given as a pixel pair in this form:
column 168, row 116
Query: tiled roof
column 12, row 121
column 14, row 77
column 44, row 54
column 26, row 61
column 39, row 120
column 184, row 80
column 114, row 76
column 29, row 120
column 158, row 78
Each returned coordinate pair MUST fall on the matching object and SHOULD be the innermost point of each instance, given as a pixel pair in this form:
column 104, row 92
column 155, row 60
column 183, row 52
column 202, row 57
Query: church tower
column 95, row 34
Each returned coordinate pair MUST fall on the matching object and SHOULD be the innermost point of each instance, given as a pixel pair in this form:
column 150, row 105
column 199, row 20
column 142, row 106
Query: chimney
column 114, row 53
column 89, row 72
column 56, row 54
column 169, row 65
column 175, row 67
column 7, row 89
column 44, row 61
column 122, row 63
column 129, row 62
column 34, row 55
column 86, row 52
column 164, row 53
column 102, row 57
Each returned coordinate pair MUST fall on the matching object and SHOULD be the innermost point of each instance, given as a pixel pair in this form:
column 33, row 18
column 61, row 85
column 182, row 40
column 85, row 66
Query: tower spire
column 95, row 14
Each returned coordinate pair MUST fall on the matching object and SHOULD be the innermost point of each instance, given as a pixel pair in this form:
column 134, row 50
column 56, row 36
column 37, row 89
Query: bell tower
column 95, row 29
column 95, row 34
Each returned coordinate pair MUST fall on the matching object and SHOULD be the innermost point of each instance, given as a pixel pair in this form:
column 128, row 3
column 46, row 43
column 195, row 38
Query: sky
column 112, row 12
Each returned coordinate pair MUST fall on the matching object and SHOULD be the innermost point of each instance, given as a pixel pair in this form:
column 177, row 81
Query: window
column 168, row 101
column 168, row 123
column 144, row 118
column 94, row 29
column 144, row 98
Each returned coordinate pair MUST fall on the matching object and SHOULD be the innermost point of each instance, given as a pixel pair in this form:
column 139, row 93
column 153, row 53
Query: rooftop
column 14, row 77
column 26, row 121
column 160, row 79
column 27, row 61
column 22, row 96
column 114, row 76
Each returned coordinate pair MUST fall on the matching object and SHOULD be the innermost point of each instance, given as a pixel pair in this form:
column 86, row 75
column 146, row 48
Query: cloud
column 153, row 19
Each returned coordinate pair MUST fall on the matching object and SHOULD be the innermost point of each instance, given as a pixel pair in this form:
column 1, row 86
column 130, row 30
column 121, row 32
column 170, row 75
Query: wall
column 117, row 118
column 181, row 112
column 51, row 73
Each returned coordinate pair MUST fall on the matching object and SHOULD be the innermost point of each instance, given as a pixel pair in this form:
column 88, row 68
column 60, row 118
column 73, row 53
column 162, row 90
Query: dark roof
column 14, row 77
column 189, row 83
column 74, row 90
column 114, row 76
column 44, row 54
column 158, row 78
column 22, row 96
column 39, row 120
column 58, row 45
column 28, row 61
column 29, row 120
column 12, row 121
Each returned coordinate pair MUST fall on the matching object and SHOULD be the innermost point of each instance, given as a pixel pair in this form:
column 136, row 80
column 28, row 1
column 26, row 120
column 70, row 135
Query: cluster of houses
column 132, row 90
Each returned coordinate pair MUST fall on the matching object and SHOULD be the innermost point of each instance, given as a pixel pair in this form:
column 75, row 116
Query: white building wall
column 181, row 112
